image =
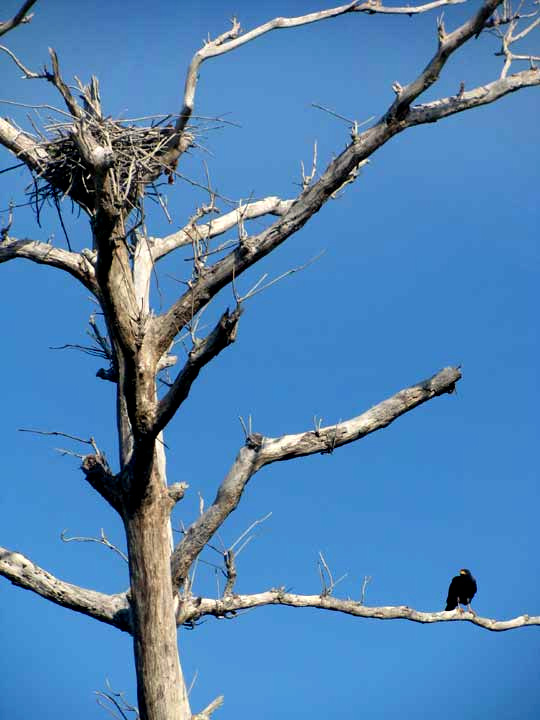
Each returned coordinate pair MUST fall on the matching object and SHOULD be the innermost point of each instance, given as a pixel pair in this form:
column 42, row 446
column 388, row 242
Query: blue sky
column 431, row 259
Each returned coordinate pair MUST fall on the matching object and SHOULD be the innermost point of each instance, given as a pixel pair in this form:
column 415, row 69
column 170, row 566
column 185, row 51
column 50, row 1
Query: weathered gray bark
column 161, row 689
column 119, row 274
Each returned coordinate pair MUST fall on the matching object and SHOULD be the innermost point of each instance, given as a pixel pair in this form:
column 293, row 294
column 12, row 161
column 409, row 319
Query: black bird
column 461, row 591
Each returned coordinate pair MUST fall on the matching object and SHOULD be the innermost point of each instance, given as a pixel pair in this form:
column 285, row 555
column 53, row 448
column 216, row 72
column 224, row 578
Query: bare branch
column 466, row 100
column 76, row 264
column 230, row 571
column 325, row 439
column 99, row 476
column 234, row 38
column 23, row 146
column 196, row 608
column 448, row 44
column 110, row 609
column 118, row 701
column 56, row 433
column 19, row 18
column 102, row 540
column 220, row 225
column 260, row 451
column 227, row 499
column 209, row 709
column 202, row 353
column 248, row 530
column 365, row 582
column 177, row 491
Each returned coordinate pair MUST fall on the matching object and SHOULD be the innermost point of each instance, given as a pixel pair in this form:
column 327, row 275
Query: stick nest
column 141, row 155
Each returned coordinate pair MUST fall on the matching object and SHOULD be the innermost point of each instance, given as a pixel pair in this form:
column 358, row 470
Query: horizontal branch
column 205, row 231
column 76, row 264
column 466, row 100
column 260, row 451
column 195, row 608
column 110, row 609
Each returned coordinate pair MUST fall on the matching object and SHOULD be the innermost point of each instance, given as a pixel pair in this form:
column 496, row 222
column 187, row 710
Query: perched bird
column 461, row 591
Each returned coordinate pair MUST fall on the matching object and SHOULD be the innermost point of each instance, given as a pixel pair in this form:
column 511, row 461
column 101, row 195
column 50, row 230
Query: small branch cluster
column 101, row 540
column 111, row 699
column 514, row 33
column 327, row 580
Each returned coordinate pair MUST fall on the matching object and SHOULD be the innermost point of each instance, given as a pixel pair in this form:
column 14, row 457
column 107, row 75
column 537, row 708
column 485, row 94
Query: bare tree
column 108, row 168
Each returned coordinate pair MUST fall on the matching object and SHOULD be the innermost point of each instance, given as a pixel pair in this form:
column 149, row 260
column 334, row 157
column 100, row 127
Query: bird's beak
column 462, row 572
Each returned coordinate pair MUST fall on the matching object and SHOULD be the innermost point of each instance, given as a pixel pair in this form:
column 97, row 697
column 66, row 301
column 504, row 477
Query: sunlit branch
column 234, row 38
column 219, row 225
column 110, row 609
column 76, row 264
column 195, row 608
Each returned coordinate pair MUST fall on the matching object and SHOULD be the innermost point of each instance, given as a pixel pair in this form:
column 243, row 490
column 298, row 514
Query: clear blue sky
column 431, row 259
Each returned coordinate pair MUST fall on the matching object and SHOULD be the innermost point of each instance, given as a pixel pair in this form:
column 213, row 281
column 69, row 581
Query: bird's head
column 464, row 571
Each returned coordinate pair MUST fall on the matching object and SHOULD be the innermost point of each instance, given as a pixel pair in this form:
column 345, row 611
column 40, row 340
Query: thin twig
column 103, row 540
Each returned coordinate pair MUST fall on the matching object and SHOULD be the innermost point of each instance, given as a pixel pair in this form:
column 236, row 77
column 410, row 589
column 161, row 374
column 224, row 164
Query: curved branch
column 195, row 608
column 18, row 19
column 76, row 264
column 260, row 451
column 110, row 609
column 23, row 146
column 266, row 206
column 234, row 38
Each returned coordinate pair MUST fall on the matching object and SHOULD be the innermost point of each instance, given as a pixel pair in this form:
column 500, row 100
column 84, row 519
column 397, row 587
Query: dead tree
column 107, row 168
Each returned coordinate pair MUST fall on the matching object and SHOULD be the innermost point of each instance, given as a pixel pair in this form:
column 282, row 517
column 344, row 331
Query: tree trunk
column 161, row 690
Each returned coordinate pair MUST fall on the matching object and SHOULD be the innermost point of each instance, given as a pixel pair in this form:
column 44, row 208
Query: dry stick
column 209, row 709
column 103, row 540
column 306, row 179
column 90, row 442
column 255, row 290
column 192, row 683
column 249, row 529
column 365, row 582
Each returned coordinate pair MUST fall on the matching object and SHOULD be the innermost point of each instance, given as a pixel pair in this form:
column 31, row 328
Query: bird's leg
column 459, row 608
column 469, row 608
